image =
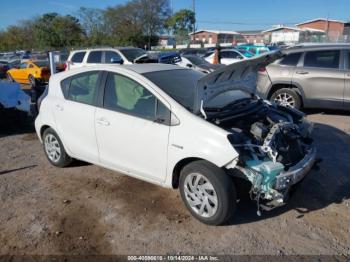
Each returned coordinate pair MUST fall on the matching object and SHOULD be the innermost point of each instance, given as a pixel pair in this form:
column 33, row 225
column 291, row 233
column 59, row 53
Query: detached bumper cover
column 288, row 178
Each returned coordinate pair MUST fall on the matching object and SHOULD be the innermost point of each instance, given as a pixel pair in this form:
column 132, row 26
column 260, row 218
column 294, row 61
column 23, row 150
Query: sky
column 211, row 14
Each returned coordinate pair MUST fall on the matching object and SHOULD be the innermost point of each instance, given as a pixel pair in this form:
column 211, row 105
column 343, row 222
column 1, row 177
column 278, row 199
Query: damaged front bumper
column 296, row 173
column 286, row 179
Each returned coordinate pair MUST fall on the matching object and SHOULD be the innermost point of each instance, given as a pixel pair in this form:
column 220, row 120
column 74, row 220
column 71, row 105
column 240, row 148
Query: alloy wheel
column 284, row 99
column 52, row 148
column 200, row 195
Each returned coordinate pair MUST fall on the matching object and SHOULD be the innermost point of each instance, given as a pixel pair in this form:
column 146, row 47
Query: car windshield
column 196, row 60
column 133, row 53
column 42, row 63
column 180, row 84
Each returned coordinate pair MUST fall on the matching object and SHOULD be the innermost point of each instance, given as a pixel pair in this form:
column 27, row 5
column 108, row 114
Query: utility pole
column 194, row 24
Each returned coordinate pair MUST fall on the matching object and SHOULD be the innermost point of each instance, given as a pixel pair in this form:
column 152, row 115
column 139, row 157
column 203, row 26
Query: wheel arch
column 276, row 86
column 178, row 167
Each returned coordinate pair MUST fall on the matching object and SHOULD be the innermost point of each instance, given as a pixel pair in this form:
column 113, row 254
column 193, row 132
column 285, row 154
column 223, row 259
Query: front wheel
column 208, row 192
column 286, row 97
column 54, row 149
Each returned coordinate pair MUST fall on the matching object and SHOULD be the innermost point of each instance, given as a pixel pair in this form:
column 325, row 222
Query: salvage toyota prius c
column 181, row 129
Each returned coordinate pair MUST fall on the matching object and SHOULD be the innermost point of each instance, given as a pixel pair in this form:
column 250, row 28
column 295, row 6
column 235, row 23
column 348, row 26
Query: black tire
column 293, row 95
column 9, row 77
column 223, row 186
column 32, row 81
column 64, row 159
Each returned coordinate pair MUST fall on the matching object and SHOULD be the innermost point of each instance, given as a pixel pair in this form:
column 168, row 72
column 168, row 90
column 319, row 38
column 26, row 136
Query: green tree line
column 136, row 23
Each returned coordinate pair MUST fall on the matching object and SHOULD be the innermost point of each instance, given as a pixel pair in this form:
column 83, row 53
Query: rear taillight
column 65, row 67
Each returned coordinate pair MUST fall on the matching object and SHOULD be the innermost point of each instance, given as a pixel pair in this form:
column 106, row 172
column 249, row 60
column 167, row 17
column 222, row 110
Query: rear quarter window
column 291, row 59
column 78, row 57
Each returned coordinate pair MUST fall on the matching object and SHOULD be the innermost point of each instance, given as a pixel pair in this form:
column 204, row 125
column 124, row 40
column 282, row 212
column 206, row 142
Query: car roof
column 148, row 68
column 314, row 47
column 138, row 68
column 104, row 48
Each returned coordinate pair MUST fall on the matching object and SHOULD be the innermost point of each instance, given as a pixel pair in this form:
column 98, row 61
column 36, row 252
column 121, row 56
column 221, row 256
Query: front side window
column 95, row 57
column 230, row 54
column 112, row 57
column 78, row 57
column 127, row 96
column 291, row 59
column 83, row 87
column 322, row 59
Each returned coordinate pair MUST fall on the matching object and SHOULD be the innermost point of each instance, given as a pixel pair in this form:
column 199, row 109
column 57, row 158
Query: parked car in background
column 198, row 63
column 193, row 51
column 109, row 55
column 228, row 56
column 31, row 72
column 310, row 76
column 6, row 65
column 179, row 128
column 255, row 50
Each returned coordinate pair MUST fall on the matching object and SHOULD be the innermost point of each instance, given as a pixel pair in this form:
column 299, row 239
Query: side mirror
column 189, row 65
column 117, row 61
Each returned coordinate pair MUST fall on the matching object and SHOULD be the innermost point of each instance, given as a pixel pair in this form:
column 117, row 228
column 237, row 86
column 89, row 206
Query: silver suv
column 309, row 76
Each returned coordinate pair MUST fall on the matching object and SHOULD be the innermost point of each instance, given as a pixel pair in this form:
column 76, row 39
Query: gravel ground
column 85, row 209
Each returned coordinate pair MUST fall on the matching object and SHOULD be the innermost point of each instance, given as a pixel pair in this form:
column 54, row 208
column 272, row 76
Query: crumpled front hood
column 241, row 75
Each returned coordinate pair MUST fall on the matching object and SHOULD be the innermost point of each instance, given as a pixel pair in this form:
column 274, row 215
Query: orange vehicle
column 30, row 72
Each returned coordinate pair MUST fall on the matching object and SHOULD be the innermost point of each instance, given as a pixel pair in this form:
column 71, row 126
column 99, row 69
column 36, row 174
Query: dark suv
column 314, row 76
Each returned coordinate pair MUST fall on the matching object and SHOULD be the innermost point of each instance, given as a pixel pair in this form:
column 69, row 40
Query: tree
column 55, row 31
column 92, row 21
column 136, row 22
column 181, row 23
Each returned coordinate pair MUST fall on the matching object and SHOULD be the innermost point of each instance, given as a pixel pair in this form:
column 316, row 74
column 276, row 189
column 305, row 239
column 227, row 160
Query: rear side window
column 83, row 87
column 95, row 57
column 322, row 59
column 291, row 59
column 78, row 57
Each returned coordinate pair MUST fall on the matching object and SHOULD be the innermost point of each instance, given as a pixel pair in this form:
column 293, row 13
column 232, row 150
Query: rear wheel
column 208, row 192
column 286, row 97
column 54, row 149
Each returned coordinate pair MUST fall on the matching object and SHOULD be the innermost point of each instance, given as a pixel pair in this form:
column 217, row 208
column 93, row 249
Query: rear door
column 321, row 78
column 74, row 115
column 132, row 129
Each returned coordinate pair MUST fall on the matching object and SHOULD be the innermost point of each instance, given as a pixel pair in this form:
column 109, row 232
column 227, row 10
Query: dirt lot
column 85, row 209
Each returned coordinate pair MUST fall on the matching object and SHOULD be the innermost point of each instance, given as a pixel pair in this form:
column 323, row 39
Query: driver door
column 132, row 129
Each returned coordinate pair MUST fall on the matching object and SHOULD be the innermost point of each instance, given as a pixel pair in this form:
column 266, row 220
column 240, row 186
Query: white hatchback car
column 179, row 128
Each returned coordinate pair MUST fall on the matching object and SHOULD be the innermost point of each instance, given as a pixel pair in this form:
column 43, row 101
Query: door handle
column 302, row 72
column 103, row 122
column 59, row 108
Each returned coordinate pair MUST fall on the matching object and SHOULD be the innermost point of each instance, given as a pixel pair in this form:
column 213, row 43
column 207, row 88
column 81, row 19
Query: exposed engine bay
column 272, row 141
